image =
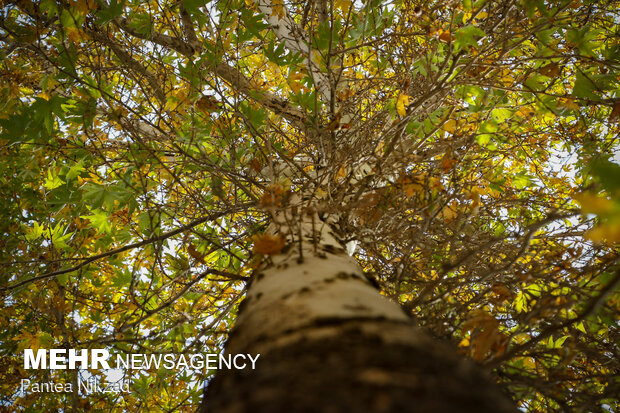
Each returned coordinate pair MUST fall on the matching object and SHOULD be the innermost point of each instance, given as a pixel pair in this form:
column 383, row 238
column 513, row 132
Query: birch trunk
column 330, row 342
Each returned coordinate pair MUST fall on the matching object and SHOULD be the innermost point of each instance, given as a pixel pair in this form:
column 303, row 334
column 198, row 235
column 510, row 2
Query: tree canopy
column 463, row 150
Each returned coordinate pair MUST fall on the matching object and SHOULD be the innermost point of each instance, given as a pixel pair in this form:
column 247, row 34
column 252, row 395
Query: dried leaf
column 445, row 36
column 447, row 162
column 195, row 254
column 614, row 116
column 550, row 70
column 208, row 104
column 335, row 123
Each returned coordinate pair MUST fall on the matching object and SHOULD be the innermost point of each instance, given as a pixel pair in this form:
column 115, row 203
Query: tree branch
column 231, row 75
column 116, row 251
column 293, row 37
column 590, row 309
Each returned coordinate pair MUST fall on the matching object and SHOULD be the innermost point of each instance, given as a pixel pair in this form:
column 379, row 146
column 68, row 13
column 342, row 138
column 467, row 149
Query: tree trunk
column 330, row 342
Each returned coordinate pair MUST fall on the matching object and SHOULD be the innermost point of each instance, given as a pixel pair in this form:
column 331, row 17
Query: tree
column 160, row 158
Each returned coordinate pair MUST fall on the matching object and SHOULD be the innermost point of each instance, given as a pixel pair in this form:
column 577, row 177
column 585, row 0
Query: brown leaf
column 486, row 335
column 335, row 123
column 268, row 244
column 256, row 165
column 195, row 254
column 208, row 104
column 614, row 116
column 445, row 36
column 550, row 70
column 447, row 162
column 273, row 196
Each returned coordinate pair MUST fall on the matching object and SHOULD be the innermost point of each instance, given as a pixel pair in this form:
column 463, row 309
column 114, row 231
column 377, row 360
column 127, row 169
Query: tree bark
column 330, row 342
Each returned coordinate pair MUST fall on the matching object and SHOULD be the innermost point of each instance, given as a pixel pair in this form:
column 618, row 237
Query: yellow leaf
column 294, row 82
column 278, row 9
column 29, row 340
column 568, row 104
column 412, row 188
column 593, row 204
column 449, row 212
column 342, row 173
column 208, row 104
column 605, row 233
column 435, row 183
column 74, row 34
column 525, row 112
column 529, row 363
column 401, row 103
column 450, row 126
column 580, row 326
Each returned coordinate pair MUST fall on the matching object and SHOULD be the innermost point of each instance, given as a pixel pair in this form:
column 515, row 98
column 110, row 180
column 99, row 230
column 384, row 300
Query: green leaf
column 142, row 23
column 467, row 36
column 584, row 87
column 58, row 236
column 500, row 114
column 521, row 180
column 75, row 170
column 35, row 232
column 107, row 14
column 608, row 174
column 99, row 220
column 52, row 180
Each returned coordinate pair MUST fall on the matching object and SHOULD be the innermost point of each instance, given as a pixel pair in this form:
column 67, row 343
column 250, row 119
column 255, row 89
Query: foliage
column 464, row 146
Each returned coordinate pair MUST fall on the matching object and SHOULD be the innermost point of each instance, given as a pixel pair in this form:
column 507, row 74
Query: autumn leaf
column 334, row 124
column 550, row 70
column 614, row 116
column 568, row 103
column 486, row 335
column 445, row 35
column 449, row 212
column 412, row 186
column 278, row 9
column 208, row 104
column 594, row 204
column 401, row 104
column 447, row 162
column 268, row 244
column 294, row 81
column 274, row 196
column 450, row 126
column 195, row 254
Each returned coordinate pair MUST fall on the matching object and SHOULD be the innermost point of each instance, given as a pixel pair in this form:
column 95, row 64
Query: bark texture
column 329, row 342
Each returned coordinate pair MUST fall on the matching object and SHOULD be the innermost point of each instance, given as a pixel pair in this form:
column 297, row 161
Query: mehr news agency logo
column 63, row 359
